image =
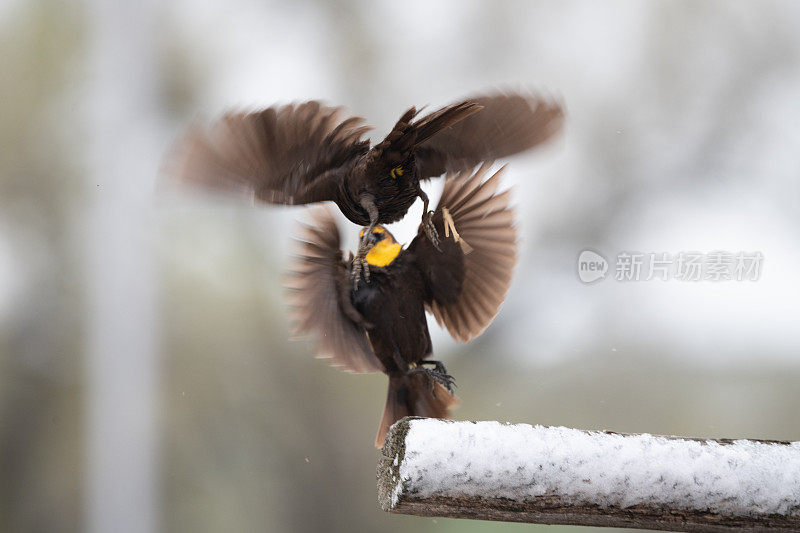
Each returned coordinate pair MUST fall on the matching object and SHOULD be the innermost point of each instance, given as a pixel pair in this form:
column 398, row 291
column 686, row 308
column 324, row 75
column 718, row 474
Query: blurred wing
column 468, row 282
column 509, row 123
column 319, row 298
column 292, row 154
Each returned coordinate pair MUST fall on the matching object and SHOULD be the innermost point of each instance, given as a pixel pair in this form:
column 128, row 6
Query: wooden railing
column 556, row 475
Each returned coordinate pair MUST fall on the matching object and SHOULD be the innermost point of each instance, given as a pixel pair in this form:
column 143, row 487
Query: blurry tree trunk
column 121, row 444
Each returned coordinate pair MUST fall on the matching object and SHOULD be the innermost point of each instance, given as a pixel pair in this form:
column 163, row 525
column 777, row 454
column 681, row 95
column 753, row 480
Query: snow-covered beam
column 556, row 475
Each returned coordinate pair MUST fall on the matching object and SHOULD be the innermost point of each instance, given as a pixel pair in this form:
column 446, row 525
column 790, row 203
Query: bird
column 380, row 324
column 309, row 152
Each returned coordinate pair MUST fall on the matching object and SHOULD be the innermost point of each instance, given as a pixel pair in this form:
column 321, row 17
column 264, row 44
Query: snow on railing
column 556, row 475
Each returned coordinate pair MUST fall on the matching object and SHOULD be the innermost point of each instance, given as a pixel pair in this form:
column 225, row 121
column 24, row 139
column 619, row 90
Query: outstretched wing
column 291, row 154
column 509, row 123
column 467, row 281
column 319, row 298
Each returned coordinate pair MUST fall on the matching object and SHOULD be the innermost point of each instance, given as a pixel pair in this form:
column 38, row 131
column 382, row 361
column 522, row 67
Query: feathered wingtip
column 274, row 154
column 314, row 284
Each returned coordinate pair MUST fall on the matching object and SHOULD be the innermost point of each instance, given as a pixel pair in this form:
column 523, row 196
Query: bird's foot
column 360, row 265
column 436, row 375
column 430, row 230
column 450, row 227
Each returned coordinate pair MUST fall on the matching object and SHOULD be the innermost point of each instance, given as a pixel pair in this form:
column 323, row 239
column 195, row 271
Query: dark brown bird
column 380, row 325
column 304, row 153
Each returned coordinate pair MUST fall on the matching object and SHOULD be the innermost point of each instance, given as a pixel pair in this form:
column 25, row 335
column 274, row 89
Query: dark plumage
column 379, row 325
column 304, row 153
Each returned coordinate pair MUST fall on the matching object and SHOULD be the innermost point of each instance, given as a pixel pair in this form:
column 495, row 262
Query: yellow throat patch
column 384, row 252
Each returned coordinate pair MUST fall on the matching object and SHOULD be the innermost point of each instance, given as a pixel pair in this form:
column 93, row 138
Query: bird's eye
column 396, row 172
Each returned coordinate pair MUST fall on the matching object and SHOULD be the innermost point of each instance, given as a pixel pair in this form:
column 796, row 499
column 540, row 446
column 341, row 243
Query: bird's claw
column 360, row 264
column 360, row 268
column 430, row 229
column 436, row 375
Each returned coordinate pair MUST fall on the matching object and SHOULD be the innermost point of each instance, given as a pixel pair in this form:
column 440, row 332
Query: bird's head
column 385, row 250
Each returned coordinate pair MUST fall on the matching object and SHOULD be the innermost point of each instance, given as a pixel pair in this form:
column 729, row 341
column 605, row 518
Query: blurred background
column 147, row 382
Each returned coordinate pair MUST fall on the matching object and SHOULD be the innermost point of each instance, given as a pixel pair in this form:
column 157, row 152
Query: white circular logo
column 591, row 266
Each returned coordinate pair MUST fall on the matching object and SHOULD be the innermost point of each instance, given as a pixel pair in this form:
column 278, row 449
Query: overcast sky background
column 145, row 373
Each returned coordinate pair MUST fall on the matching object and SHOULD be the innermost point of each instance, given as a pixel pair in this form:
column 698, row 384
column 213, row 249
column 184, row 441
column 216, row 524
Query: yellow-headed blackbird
column 379, row 325
column 304, row 153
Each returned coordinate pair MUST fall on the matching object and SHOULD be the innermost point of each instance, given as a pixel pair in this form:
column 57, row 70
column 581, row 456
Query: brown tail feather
column 410, row 395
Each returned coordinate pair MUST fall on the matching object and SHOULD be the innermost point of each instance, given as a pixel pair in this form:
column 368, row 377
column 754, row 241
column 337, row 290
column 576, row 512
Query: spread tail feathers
column 410, row 395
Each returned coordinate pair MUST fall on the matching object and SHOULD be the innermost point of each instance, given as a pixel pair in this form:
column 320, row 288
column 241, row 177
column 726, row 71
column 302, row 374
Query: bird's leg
column 367, row 240
column 360, row 264
column 399, row 361
column 438, row 374
column 427, row 219
column 450, row 227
